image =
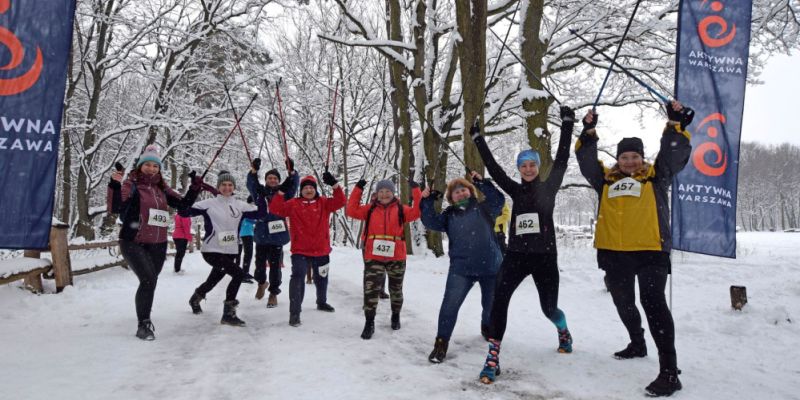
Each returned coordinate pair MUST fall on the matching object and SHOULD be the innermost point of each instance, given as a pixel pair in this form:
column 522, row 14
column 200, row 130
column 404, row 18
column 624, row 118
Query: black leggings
column 273, row 254
column 652, row 268
column 146, row 261
column 514, row 269
column 247, row 246
column 180, row 251
column 221, row 265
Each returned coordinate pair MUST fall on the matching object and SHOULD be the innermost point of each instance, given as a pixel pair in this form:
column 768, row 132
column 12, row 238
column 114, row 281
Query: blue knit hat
column 528, row 155
column 150, row 154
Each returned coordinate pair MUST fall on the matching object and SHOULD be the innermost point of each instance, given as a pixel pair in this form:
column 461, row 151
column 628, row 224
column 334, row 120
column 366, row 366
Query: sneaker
column 294, row 320
column 564, row 341
column 194, row 302
column 262, row 288
column 272, row 302
column 145, row 331
column 665, row 384
column 632, row 351
column 439, row 352
column 369, row 329
column 395, row 320
column 491, row 368
column 325, row 307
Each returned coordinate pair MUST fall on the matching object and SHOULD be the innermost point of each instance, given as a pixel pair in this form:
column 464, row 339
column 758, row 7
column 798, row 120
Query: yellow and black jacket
column 634, row 210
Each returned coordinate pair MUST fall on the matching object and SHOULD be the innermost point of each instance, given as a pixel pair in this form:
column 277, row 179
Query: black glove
column 196, row 181
column 361, row 184
column 567, row 114
column 289, row 165
column 256, row 164
column 286, row 185
column 118, row 166
column 412, row 184
column 685, row 116
column 328, row 178
column 475, row 131
column 437, row 195
column 590, row 125
column 476, row 179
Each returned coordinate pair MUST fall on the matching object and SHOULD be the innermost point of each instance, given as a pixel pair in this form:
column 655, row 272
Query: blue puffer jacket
column 246, row 227
column 263, row 194
column 472, row 246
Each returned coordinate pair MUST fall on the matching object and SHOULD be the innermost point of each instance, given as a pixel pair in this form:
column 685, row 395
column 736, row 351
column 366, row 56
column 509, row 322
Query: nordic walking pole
column 623, row 69
column 283, row 126
column 271, row 112
column 616, row 54
column 527, row 69
column 374, row 134
column 236, row 116
column 228, row 136
column 330, row 133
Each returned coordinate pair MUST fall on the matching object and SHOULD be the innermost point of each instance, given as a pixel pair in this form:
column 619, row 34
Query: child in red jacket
column 384, row 246
column 309, row 230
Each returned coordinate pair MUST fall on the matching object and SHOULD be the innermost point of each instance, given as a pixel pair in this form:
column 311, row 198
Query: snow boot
column 294, row 320
column 485, row 332
column 272, row 302
column 564, row 341
column 395, row 320
column 384, row 295
column 145, row 331
column 262, row 288
column 194, row 302
column 667, row 381
column 637, row 348
column 439, row 352
column 325, row 307
column 491, row 368
column 369, row 328
column 229, row 314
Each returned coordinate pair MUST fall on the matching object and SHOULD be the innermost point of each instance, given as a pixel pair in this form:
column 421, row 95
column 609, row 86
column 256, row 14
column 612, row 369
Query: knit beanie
column 308, row 181
column 630, row 144
column 273, row 172
column 385, row 184
column 150, row 154
column 528, row 155
column 225, row 176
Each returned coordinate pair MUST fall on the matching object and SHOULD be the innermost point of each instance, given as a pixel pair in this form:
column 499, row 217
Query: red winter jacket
column 183, row 228
column 309, row 226
column 384, row 223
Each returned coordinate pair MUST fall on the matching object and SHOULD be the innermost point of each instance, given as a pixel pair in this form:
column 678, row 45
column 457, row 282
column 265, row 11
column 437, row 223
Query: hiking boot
column 272, row 302
column 325, row 307
column 665, row 384
column 395, row 320
column 439, row 352
column 194, row 302
column 145, row 331
column 384, row 295
column 294, row 320
column 491, row 368
column 634, row 350
column 369, row 329
column 262, row 288
column 229, row 314
column 564, row 341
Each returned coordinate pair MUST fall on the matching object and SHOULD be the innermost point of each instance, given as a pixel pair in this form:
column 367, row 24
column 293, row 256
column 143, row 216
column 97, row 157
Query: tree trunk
column 471, row 19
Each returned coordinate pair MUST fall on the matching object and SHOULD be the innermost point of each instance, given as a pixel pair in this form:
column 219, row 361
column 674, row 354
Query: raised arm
column 413, row 212
column 675, row 142
column 337, row 201
column 430, row 218
column 495, row 170
column 354, row 208
column 562, row 154
column 494, row 199
column 586, row 153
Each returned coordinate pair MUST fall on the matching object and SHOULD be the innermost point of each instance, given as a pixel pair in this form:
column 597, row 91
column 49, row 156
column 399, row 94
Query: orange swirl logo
column 724, row 36
column 699, row 156
column 23, row 82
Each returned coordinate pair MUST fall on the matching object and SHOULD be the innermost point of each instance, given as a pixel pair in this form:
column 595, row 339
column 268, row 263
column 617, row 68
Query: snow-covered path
column 80, row 344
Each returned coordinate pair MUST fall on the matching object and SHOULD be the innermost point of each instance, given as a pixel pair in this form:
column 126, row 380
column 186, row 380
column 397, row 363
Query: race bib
column 323, row 270
column 383, row 248
column 625, row 187
column 527, row 223
column 276, row 226
column 158, row 218
column 227, row 238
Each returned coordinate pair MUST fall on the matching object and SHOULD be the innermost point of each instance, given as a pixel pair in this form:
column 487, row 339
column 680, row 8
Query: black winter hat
column 630, row 144
column 273, row 172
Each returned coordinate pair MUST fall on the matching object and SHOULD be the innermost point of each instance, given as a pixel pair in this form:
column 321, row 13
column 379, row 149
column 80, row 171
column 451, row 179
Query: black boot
column 667, row 381
column 369, row 328
column 194, row 302
column 325, row 307
column 229, row 314
column 145, row 331
column 396, row 320
column 637, row 348
column 439, row 352
column 294, row 320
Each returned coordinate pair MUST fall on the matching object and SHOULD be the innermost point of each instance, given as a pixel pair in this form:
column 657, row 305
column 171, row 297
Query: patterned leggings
column 374, row 276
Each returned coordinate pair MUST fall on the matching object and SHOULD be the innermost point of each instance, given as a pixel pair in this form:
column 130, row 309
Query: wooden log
column 89, row 246
column 33, row 280
column 738, row 297
column 59, row 249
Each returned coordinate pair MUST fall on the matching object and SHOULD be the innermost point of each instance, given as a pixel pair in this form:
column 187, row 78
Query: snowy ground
column 80, row 344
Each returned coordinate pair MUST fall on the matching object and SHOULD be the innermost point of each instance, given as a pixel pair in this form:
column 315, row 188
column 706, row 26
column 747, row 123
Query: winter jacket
column 143, row 207
column 183, row 228
column 532, row 211
column 384, row 224
column 309, row 221
column 634, row 210
column 246, row 229
column 271, row 222
column 472, row 246
column 221, row 217
column 501, row 223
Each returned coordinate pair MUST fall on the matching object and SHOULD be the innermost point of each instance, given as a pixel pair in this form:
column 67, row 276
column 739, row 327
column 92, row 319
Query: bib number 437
column 383, row 248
